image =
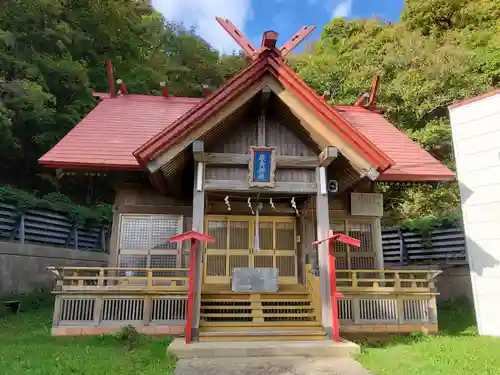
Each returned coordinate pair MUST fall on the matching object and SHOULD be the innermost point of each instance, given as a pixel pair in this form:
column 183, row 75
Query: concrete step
column 264, row 348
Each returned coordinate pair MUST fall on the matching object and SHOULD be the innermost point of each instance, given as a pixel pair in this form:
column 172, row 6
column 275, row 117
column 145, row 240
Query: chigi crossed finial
column 269, row 39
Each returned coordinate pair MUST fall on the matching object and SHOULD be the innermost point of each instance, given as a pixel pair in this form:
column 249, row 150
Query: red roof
column 412, row 162
column 109, row 134
column 268, row 62
column 143, row 125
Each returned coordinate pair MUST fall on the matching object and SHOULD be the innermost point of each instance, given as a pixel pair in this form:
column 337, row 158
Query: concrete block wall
column 22, row 266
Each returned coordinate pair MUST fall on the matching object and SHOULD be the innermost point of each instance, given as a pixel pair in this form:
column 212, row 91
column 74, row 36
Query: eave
column 271, row 62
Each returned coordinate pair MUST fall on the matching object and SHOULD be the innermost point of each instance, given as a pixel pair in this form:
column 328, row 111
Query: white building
column 475, row 126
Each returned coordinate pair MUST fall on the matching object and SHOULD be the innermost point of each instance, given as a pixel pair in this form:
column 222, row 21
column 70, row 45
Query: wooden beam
column 295, row 40
column 218, row 207
column 197, row 223
column 373, row 91
column 242, row 186
column 269, row 39
column 238, row 37
column 266, row 93
column 198, row 148
column 261, row 123
column 261, row 128
column 328, row 155
column 322, row 228
column 295, row 162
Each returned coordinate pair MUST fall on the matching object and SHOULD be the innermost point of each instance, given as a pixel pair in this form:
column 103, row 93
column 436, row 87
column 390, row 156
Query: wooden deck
column 101, row 300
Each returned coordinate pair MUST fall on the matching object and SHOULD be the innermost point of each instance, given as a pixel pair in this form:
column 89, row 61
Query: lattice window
column 349, row 257
column 217, row 230
column 144, row 241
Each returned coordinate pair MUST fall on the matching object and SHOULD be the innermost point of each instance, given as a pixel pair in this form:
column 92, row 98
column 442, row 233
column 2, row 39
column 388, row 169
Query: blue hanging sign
column 262, row 167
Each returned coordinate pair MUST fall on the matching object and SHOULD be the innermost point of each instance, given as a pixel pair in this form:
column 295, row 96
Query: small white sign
column 367, row 204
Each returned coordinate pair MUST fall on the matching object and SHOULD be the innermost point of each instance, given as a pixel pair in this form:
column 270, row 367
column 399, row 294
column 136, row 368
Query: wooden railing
column 106, row 279
column 95, row 300
column 389, row 301
column 313, row 290
column 384, row 281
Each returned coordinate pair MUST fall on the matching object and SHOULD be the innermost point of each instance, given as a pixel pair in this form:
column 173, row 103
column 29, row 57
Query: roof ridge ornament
column 269, row 39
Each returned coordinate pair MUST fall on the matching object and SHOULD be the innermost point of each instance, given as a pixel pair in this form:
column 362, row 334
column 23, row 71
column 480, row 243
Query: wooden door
column 234, row 247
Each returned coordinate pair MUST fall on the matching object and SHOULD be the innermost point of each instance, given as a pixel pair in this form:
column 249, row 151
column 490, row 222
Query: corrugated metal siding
column 442, row 246
column 49, row 228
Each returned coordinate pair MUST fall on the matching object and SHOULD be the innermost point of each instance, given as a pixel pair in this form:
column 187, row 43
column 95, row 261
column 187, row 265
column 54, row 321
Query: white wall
column 476, row 138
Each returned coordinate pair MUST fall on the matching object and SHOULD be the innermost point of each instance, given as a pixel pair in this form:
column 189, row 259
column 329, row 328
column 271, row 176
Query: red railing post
column 194, row 236
column 333, row 292
column 190, row 296
column 333, row 276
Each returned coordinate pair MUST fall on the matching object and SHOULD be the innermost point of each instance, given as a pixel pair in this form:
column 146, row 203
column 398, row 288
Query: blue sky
column 284, row 16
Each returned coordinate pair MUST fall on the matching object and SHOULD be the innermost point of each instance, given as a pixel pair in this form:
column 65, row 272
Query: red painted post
column 333, row 276
column 333, row 293
column 190, row 301
column 194, row 236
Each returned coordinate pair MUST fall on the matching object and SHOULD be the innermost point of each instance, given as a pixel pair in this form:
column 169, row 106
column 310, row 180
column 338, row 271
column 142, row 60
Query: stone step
column 263, row 348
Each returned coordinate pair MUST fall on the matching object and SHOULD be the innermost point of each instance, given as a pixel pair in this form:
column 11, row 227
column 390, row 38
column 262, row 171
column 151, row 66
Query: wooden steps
column 259, row 317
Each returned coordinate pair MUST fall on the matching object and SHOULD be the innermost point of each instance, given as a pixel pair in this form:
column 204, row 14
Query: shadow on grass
column 455, row 318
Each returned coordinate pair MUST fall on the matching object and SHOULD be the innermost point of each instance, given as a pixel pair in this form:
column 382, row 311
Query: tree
column 52, row 56
column 442, row 51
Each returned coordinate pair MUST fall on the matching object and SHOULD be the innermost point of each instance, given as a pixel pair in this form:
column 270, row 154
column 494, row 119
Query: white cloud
column 343, row 9
column 201, row 14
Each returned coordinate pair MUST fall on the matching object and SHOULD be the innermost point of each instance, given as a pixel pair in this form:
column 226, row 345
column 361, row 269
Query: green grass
column 27, row 348
column 456, row 350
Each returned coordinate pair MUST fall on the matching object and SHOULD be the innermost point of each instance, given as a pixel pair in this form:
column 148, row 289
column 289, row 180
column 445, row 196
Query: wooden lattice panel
column 349, row 257
column 122, row 309
column 168, row 309
column 417, row 310
column 144, row 241
column 235, row 245
column 378, row 309
column 77, row 310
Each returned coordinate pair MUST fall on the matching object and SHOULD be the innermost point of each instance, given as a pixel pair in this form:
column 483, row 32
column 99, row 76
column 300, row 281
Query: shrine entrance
column 239, row 245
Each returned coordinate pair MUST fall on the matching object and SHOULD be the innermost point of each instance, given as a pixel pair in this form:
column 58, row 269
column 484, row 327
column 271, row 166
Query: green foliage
column 129, row 336
column 441, row 51
column 426, row 224
column 52, row 56
column 100, row 214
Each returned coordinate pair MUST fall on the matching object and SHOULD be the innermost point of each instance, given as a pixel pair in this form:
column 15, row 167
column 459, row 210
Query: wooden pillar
column 198, row 223
column 377, row 244
column 322, row 227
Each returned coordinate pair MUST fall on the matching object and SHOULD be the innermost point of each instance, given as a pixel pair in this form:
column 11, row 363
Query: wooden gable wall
column 281, row 129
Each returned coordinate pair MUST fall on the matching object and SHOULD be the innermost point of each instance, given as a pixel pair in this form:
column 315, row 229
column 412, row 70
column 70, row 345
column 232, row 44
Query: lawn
column 26, row 347
column 457, row 350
